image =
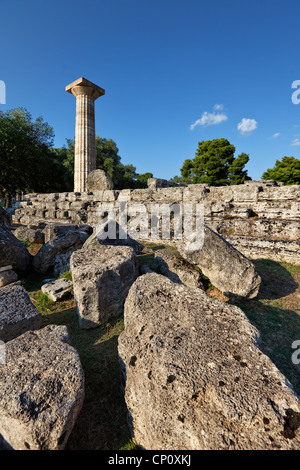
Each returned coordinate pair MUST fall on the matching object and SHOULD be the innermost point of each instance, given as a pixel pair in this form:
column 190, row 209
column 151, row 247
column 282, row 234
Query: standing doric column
column 85, row 149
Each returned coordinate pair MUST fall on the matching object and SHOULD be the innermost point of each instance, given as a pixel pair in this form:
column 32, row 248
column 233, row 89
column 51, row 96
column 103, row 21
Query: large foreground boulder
column 195, row 376
column 17, row 313
column 228, row 269
column 41, row 390
column 102, row 277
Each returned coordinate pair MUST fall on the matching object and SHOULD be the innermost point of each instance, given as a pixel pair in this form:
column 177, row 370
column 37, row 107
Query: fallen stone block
column 228, row 270
column 195, row 376
column 7, row 277
column 13, row 252
column 57, row 290
column 30, row 234
column 17, row 313
column 119, row 238
column 46, row 257
column 176, row 269
column 52, row 231
column 41, row 390
column 102, row 276
column 98, row 180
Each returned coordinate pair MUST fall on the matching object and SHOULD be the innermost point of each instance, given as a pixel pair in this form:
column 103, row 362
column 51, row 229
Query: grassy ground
column 102, row 422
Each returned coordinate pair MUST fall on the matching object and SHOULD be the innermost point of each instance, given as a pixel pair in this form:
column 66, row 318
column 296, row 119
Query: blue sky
column 175, row 73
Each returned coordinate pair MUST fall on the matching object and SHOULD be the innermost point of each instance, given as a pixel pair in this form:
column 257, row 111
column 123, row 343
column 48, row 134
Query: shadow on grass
column 278, row 325
column 102, row 423
column 277, row 281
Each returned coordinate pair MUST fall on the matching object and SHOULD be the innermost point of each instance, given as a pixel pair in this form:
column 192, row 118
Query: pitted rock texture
column 176, row 269
column 98, row 180
column 17, row 313
column 102, row 277
column 224, row 265
column 195, row 377
column 13, row 252
column 50, row 254
column 41, row 390
column 58, row 290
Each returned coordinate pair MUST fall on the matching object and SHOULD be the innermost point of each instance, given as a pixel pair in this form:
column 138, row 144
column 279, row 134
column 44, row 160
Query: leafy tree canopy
column 26, row 161
column 286, row 170
column 109, row 160
column 214, row 164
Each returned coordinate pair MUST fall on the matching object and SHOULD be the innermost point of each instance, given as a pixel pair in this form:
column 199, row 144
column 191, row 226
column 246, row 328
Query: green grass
column 27, row 243
column 276, row 314
column 102, row 423
column 66, row 275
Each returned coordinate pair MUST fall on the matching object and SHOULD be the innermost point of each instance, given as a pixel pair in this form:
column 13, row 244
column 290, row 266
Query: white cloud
column 209, row 119
column 295, row 142
column 246, row 126
column 277, row 134
column 218, row 107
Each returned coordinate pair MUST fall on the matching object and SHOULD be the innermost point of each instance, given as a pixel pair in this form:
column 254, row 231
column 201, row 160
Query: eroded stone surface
column 41, row 390
column 224, row 265
column 58, row 289
column 7, row 277
column 98, row 180
column 195, row 376
column 102, row 276
column 17, row 313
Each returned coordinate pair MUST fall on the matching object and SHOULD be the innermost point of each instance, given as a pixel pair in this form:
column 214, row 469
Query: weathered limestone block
column 52, row 231
column 29, row 234
column 17, row 313
column 167, row 195
column 226, row 267
column 7, row 277
column 176, row 269
column 196, row 193
column 13, row 252
column 41, row 392
column 57, row 290
column 100, row 237
column 98, row 180
column 277, row 250
column 46, row 256
column 102, row 276
column 195, row 376
column 219, row 193
column 154, row 183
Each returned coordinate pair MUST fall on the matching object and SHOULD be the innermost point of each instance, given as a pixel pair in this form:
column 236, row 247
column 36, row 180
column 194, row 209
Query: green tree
column 26, row 159
column 286, row 170
column 142, row 179
column 107, row 159
column 214, row 164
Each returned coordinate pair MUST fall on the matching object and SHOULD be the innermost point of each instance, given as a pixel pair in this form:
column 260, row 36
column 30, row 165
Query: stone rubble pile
column 193, row 373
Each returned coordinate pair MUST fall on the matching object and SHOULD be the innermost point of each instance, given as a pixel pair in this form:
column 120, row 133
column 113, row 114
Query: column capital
column 82, row 86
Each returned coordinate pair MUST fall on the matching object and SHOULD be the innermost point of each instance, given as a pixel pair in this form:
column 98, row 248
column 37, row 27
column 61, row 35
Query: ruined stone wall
column 261, row 219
